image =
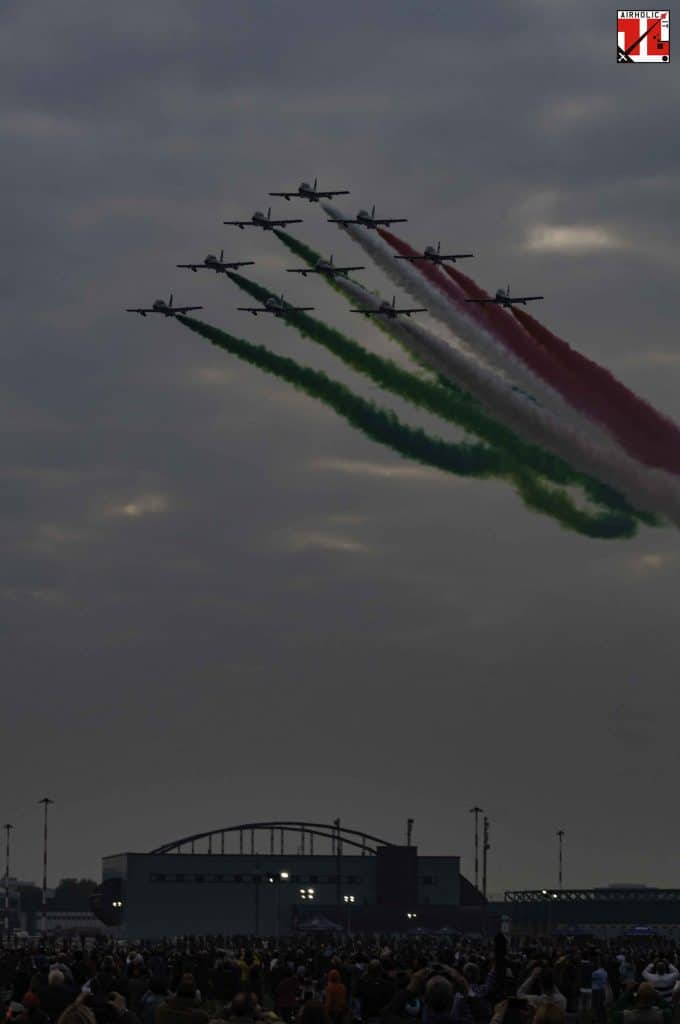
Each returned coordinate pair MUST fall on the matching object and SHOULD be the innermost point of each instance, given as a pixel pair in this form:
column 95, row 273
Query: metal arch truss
column 593, row 896
column 362, row 841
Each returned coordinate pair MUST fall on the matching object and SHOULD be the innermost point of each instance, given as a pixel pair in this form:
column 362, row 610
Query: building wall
column 439, row 881
column 174, row 894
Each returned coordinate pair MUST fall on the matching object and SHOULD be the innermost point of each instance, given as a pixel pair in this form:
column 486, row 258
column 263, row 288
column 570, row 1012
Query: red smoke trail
column 652, row 439
column 643, row 415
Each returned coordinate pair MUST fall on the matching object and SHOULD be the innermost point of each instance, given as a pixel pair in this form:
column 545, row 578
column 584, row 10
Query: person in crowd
column 540, row 988
column 56, row 996
column 549, row 1013
column 32, row 1011
column 138, row 982
column 156, row 993
column 181, row 1008
column 374, row 991
column 312, row 1012
column 335, row 998
column 242, row 1009
column 77, row 1013
column 663, row 977
column 645, row 1008
column 599, row 986
column 286, row 993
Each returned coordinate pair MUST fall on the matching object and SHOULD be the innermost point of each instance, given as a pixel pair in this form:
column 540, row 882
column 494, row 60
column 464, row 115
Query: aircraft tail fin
column 439, row 246
column 315, row 183
column 373, row 210
column 170, row 302
column 269, row 213
column 221, row 255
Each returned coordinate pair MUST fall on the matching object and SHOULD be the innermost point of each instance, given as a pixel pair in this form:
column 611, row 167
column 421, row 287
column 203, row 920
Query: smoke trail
column 573, row 385
column 654, row 490
column 458, row 407
column 471, row 336
column 383, row 426
column 661, row 429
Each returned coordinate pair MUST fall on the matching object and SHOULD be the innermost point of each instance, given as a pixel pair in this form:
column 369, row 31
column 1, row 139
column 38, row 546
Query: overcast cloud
column 220, row 603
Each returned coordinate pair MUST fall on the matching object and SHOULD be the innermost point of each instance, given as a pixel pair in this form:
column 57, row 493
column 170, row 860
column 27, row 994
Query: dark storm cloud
column 210, row 583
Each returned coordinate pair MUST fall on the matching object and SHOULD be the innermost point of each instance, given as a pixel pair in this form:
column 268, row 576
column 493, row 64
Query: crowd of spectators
column 331, row 980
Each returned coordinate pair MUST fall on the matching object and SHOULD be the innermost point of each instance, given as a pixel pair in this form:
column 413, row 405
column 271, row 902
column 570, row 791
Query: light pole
column 476, row 811
column 485, row 850
column 46, row 803
column 549, row 897
column 283, row 876
column 8, row 830
column 349, row 900
column 560, row 842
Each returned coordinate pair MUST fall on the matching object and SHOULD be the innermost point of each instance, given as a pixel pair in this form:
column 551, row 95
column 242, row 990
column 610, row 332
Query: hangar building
column 271, row 878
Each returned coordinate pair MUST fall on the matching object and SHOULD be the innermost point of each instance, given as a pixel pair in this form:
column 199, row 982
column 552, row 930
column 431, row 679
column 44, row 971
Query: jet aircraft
column 389, row 309
column 275, row 305
column 368, row 220
column 166, row 308
column 325, row 267
column 432, row 255
column 311, row 192
column 211, row 262
column 261, row 220
column 504, row 298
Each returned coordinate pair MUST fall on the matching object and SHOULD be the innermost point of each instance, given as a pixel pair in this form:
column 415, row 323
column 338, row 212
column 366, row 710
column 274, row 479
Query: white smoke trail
column 472, row 337
column 652, row 489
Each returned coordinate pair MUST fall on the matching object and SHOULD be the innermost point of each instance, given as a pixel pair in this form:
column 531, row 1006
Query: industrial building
column 606, row 912
column 271, row 878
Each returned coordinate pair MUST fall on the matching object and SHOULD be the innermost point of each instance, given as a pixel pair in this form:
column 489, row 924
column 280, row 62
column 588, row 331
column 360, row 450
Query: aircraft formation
column 277, row 306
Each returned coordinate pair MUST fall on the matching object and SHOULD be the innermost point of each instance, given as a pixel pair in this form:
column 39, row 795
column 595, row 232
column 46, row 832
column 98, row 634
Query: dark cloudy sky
column 219, row 603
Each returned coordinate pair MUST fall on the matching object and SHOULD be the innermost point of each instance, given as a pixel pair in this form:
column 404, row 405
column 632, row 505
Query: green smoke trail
column 452, row 404
column 310, row 257
column 383, row 426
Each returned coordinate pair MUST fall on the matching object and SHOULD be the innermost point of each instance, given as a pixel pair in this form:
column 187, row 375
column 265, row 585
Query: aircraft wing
column 284, row 195
column 343, row 220
column 298, row 309
column 142, row 312
column 192, row 266
column 302, row 270
column 184, row 309
column 345, row 270
column 526, row 298
column 283, row 223
column 236, row 264
column 240, row 223
column 253, row 309
column 335, row 192
column 456, row 256
column 408, row 312
column 483, row 300
column 366, row 312
column 388, row 220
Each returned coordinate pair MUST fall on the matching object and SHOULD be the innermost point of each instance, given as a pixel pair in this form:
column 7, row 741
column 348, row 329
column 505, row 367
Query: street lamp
column 307, row 894
column 283, row 876
column 548, row 896
column 8, row 830
column 46, row 801
column 349, row 900
column 411, row 916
